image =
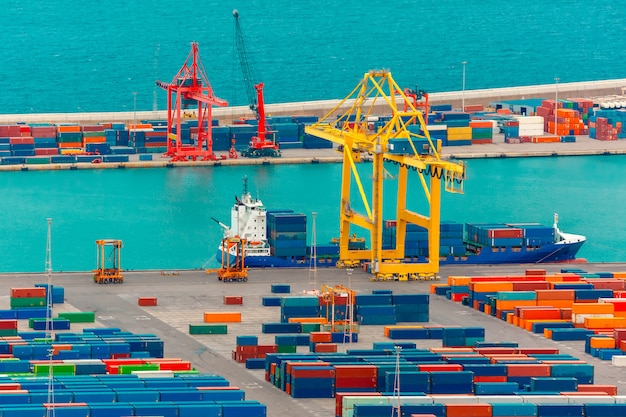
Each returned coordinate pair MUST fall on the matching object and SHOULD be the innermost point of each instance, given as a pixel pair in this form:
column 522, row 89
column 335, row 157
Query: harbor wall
column 590, row 89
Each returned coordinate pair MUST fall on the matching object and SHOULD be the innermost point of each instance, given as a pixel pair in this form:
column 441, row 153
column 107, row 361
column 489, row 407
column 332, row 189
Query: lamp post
column 463, row 90
column 556, row 100
column 134, row 115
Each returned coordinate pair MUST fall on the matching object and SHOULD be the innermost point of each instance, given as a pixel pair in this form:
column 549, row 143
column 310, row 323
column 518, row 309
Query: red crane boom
column 190, row 88
column 261, row 144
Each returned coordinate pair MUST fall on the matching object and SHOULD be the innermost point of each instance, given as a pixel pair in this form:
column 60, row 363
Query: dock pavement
column 184, row 296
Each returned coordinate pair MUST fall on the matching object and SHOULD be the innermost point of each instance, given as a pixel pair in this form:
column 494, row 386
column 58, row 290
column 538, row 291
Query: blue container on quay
column 281, row 289
column 271, row 301
column 247, row 340
column 114, row 410
column 163, row 409
column 193, row 410
column 560, row 410
column 246, row 408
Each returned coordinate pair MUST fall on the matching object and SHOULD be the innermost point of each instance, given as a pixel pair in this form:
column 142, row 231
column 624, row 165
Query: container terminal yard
column 183, row 297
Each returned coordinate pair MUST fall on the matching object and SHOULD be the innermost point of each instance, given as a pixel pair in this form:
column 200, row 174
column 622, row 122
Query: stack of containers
column 299, row 307
column 29, row 302
column 462, row 336
column 607, row 124
column 375, row 309
column 530, row 126
column 511, row 132
column 22, row 146
column 241, row 134
column 495, row 235
column 222, row 139
column 6, row 133
column 287, row 234
column 311, row 381
column 69, row 137
column 411, row 307
column 95, row 139
column 416, row 239
column 45, row 137
column 482, row 131
column 459, row 130
column 288, row 134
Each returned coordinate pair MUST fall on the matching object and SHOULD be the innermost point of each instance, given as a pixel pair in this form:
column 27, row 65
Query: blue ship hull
column 550, row 253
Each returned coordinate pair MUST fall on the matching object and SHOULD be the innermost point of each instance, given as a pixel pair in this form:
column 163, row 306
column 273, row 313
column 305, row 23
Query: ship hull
column 552, row 253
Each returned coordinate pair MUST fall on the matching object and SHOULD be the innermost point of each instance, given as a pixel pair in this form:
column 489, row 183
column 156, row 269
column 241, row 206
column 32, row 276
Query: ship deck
column 184, row 296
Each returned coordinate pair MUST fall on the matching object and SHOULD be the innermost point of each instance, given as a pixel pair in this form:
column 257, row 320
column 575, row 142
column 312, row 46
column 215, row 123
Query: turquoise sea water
column 91, row 56
column 164, row 215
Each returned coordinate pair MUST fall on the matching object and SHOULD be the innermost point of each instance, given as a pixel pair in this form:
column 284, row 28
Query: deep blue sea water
column 92, row 56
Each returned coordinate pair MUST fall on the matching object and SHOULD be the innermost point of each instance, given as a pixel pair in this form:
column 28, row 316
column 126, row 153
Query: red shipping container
column 489, row 378
column 531, row 286
column 9, row 386
column 299, row 372
column 242, row 357
column 608, row 389
column 175, row 366
column 495, row 351
column 326, row 347
column 8, row 324
column 320, row 337
column 34, row 292
column 120, row 355
column 247, row 349
column 538, row 351
column 263, row 350
column 527, row 369
column 46, row 151
column 541, row 313
column 509, row 232
column 452, row 367
column 147, row 301
column 468, row 410
column 356, row 371
column 233, row 299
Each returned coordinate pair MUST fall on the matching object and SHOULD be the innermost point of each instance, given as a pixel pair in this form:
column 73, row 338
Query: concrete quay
column 184, row 297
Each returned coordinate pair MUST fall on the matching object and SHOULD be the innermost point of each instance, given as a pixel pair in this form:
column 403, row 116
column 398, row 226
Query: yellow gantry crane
column 349, row 125
column 108, row 262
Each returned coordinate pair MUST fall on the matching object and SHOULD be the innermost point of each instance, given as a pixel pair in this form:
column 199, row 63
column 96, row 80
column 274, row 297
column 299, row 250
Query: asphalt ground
column 183, row 298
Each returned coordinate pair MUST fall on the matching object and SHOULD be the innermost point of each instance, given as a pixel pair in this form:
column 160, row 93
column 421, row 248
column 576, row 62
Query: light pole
column 463, row 91
column 134, row 116
column 556, row 100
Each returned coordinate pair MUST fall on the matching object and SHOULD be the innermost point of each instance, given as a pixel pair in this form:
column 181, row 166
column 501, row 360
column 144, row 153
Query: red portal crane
column 190, row 88
column 260, row 145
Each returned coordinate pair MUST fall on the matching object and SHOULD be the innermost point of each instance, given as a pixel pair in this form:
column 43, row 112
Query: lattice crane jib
column 377, row 119
column 190, row 89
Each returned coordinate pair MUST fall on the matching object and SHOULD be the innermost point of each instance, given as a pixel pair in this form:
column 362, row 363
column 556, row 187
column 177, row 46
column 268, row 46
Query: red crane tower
column 260, row 145
column 190, row 87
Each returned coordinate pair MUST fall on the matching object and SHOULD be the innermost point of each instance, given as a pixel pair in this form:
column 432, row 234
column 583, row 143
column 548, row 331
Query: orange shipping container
column 491, row 286
column 609, row 389
column 468, row 410
column 511, row 304
column 592, row 308
column 222, row 317
column 602, row 342
column 68, row 128
column 320, row 337
column 556, row 294
column 523, row 369
column 604, row 323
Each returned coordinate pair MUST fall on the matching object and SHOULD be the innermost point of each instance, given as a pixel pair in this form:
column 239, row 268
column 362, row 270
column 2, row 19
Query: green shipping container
column 310, row 327
column 28, row 302
column 58, row 369
column 8, row 332
column 128, row 369
column 287, row 349
column 42, row 160
column 208, row 329
column 78, row 316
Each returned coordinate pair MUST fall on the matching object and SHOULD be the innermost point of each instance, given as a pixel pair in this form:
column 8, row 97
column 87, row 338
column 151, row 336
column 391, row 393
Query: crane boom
column 260, row 145
column 245, row 64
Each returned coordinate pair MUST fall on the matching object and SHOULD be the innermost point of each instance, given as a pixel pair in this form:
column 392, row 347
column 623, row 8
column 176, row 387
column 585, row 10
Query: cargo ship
column 278, row 239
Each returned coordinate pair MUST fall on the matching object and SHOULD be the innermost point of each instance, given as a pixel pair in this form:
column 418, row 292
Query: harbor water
column 96, row 56
column 164, row 215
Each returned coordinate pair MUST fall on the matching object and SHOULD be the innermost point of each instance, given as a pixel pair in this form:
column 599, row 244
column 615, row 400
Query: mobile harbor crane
column 393, row 144
column 262, row 144
column 190, row 87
